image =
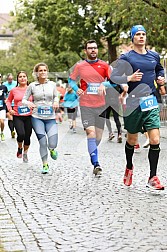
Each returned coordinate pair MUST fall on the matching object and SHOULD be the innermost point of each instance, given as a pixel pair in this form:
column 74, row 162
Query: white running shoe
column 146, row 144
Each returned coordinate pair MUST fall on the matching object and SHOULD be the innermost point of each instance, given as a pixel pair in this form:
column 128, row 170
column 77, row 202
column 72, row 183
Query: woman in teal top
column 71, row 103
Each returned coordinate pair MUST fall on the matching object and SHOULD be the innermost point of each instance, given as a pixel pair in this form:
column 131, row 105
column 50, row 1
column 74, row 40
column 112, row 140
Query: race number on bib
column 45, row 111
column 148, row 103
column 22, row 110
column 93, row 88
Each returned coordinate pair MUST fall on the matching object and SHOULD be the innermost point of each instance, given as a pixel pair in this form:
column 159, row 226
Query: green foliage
column 57, row 30
column 65, row 25
column 24, row 53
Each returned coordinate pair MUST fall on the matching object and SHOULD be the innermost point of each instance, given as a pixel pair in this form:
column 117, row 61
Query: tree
column 65, row 25
column 25, row 52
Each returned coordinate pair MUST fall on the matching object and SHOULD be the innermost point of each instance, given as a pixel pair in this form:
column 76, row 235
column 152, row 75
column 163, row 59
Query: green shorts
column 135, row 122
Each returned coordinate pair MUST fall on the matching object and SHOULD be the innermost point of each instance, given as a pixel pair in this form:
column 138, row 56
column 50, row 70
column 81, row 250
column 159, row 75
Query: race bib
column 45, row 111
column 93, row 88
column 148, row 103
column 22, row 110
column 1, row 103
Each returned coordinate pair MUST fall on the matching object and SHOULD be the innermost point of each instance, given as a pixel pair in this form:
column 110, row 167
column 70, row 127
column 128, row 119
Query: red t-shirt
column 91, row 75
column 17, row 94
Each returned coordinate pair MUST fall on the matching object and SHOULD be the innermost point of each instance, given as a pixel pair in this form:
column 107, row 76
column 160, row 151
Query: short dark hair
column 91, row 41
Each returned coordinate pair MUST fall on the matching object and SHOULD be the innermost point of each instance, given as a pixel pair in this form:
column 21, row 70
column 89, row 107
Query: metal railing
column 163, row 110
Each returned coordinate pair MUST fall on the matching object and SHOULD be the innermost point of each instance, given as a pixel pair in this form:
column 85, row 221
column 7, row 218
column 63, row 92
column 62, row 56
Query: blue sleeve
column 121, row 70
column 73, row 84
column 159, row 70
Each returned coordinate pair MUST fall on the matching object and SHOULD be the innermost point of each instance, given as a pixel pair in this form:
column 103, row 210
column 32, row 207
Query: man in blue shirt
column 10, row 83
column 139, row 68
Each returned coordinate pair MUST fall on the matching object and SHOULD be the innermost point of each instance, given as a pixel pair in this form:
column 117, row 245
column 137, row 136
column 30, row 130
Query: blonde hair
column 36, row 67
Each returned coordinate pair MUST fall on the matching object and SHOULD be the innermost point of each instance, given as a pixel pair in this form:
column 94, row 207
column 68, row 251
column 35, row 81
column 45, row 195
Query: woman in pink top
column 21, row 115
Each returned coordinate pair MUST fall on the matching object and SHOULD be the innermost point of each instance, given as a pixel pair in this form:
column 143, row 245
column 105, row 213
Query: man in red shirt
column 92, row 72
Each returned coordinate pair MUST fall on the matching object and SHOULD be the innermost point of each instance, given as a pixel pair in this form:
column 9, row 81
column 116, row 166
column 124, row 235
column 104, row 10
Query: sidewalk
column 70, row 210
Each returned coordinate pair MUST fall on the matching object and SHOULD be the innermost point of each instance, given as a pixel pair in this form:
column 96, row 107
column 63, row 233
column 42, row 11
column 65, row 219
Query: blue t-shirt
column 11, row 85
column 70, row 100
column 149, row 64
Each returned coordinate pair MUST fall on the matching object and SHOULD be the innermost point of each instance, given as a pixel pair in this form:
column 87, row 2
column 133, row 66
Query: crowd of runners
column 130, row 86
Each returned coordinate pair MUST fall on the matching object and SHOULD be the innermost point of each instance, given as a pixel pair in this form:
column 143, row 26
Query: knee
column 154, row 140
column 20, row 137
column 91, row 133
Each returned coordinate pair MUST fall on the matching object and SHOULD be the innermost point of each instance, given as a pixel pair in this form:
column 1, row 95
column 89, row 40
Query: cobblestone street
column 70, row 210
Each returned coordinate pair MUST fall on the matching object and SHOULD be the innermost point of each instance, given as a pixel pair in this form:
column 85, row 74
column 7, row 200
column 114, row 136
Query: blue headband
column 135, row 29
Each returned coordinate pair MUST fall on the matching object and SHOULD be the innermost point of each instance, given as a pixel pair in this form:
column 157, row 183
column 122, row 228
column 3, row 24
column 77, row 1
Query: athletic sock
column 129, row 150
column 92, row 149
column 153, row 156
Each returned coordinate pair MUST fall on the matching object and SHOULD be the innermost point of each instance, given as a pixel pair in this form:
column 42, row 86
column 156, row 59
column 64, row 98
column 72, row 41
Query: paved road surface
column 69, row 210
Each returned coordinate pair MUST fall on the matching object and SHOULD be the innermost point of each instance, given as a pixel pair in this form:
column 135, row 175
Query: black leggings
column 23, row 128
column 116, row 119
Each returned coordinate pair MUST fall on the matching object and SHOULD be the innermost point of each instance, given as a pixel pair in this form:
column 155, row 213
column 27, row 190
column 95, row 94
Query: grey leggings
column 47, row 135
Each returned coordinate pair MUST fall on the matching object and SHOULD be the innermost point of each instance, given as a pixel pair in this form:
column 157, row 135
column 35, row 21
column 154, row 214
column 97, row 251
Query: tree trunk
column 112, row 52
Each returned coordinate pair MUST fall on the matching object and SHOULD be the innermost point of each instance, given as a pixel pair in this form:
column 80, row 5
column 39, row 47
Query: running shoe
column 53, row 154
column 19, row 153
column 155, row 184
column 97, row 171
column 128, row 176
column 146, row 144
column 137, row 148
column 2, row 137
column 74, row 130
column 45, row 169
column 25, row 158
column 119, row 139
column 13, row 134
column 111, row 136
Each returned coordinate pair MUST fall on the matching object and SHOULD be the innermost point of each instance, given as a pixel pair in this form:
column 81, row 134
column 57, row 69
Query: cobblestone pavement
column 70, row 210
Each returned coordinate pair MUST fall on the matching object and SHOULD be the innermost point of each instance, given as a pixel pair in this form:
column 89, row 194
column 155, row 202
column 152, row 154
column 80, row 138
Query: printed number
column 149, row 103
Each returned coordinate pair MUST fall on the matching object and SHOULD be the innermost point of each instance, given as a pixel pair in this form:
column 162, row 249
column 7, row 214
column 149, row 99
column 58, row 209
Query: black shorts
column 91, row 117
column 72, row 113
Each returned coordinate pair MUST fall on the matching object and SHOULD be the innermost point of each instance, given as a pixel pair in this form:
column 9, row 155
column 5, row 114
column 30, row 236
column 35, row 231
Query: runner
column 141, row 105
column 45, row 101
column 21, row 115
column 92, row 72
column 10, row 83
column 3, row 95
column 71, row 103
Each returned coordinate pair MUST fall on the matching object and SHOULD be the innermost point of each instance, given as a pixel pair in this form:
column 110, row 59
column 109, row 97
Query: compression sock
column 129, row 150
column 153, row 156
column 92, row 149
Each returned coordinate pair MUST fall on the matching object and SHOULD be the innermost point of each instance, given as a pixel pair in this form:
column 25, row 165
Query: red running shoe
column 128, row 176
column 155, row 184
column 19, row 153
column 137, row 148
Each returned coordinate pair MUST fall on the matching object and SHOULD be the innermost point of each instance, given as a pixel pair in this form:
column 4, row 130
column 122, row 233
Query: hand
column 162, row 90
column 79, row 91
column 31, row 105
column 102, row 90
column 160, row 80
column 55, row 105
column 136, row 76
column 122, row 97
column 11, row 112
